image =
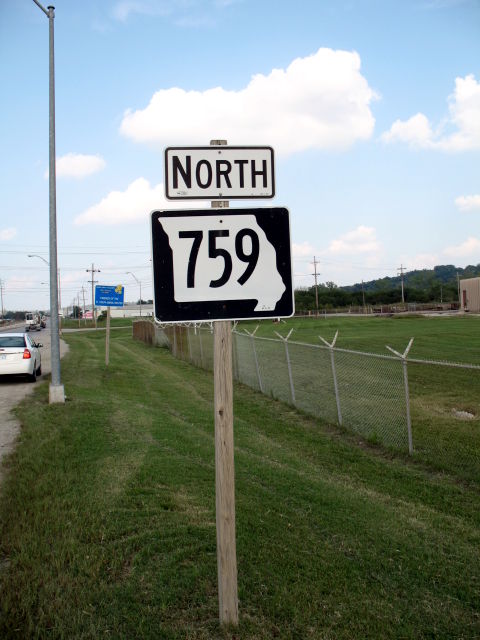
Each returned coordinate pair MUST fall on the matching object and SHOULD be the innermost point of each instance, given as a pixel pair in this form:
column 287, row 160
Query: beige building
column 470, row 295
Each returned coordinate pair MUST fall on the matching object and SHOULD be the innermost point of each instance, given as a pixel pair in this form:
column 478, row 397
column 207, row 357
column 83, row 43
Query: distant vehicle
column 43, row 322
column 32, row 322
column 20, row 355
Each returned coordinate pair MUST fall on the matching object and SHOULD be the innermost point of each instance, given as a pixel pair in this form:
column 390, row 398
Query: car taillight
column 26, row 354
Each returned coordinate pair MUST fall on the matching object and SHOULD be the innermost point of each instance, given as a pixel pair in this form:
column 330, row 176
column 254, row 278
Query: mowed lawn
column 108, row 517
column 452, row 338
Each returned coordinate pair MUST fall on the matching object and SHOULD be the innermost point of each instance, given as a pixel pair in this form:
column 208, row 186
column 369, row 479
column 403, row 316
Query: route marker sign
column 219, row 173
column 218, row 264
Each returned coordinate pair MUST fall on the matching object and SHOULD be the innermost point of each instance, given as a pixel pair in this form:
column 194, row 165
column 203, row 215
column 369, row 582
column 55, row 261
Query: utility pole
column 316, row 285
column 401, row 268
column 83, row 293
column 363, row 297
column 93, row 272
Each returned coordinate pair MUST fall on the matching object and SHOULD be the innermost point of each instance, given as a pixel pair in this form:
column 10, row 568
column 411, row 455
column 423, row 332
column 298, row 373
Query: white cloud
column 464, row 119
column 122, row 10
column 468, row 203
column 304, row 250
column 360, row 240
column 321, row 101
column 132, row 205
column 415, row 131
column 77, row 165
column 8, row 233
column 471, row 247
column 421, row 261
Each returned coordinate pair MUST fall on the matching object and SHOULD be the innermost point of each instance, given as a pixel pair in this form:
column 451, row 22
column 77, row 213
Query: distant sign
column 219, row 173
column 222, row 264
column 109, row 296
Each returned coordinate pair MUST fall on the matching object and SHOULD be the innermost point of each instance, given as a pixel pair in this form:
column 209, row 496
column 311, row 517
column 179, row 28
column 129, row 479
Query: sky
column 372, row 108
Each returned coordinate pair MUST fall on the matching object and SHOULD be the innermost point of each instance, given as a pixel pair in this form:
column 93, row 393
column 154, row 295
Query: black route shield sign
column 249, row 246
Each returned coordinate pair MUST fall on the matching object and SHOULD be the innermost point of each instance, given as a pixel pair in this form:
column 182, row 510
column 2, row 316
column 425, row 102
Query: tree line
column 439, row 285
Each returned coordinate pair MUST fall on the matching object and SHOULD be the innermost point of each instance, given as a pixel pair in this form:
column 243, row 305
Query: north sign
column 221, row 264
column 219, row 173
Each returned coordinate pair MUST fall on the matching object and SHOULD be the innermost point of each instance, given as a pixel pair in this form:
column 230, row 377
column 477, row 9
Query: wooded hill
column 439, row 284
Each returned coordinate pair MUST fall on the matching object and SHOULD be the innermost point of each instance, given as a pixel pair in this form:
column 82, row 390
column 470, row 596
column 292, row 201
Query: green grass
column 456, row 339
column 108, row 521
column 71, row 323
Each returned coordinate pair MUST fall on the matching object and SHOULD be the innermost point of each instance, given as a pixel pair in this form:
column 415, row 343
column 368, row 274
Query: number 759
column 217, row 252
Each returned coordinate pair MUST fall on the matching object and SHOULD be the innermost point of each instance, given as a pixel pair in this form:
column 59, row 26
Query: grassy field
column 71, row 323
column 456, row 339
column 108, row 522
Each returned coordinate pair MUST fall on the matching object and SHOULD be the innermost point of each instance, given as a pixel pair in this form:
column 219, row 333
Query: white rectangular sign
column 219, row 173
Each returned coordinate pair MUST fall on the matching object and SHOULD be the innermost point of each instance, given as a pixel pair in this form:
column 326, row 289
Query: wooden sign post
column 225, row 473
column 224, row 462
column 107, row 339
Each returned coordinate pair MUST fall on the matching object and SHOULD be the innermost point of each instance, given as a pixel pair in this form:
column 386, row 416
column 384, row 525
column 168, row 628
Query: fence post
column 255, row 357
column 289, row 366
column 201, row 347
column 235, row 350
column 403, row 357
column 189, row 346
column 334, row 375
column 175, row 340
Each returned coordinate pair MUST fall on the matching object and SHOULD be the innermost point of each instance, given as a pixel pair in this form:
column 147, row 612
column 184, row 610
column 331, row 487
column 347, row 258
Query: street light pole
column 140, row 285
column 56, row 391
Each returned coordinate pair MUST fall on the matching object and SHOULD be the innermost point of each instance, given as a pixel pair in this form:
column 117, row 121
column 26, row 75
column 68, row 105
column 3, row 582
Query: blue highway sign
column 109, row 296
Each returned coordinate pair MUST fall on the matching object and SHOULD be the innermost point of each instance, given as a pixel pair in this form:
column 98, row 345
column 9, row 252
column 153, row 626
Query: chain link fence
column 363, row 392
column 390, row 400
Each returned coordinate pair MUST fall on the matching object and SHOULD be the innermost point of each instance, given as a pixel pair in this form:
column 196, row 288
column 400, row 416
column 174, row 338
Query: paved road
column 13, row 390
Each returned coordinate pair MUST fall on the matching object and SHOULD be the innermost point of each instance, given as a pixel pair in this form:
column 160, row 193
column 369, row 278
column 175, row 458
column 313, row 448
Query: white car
column 20, row 355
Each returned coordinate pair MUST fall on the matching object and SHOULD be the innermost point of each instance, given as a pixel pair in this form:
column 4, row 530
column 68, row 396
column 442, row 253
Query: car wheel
column 33, row 376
